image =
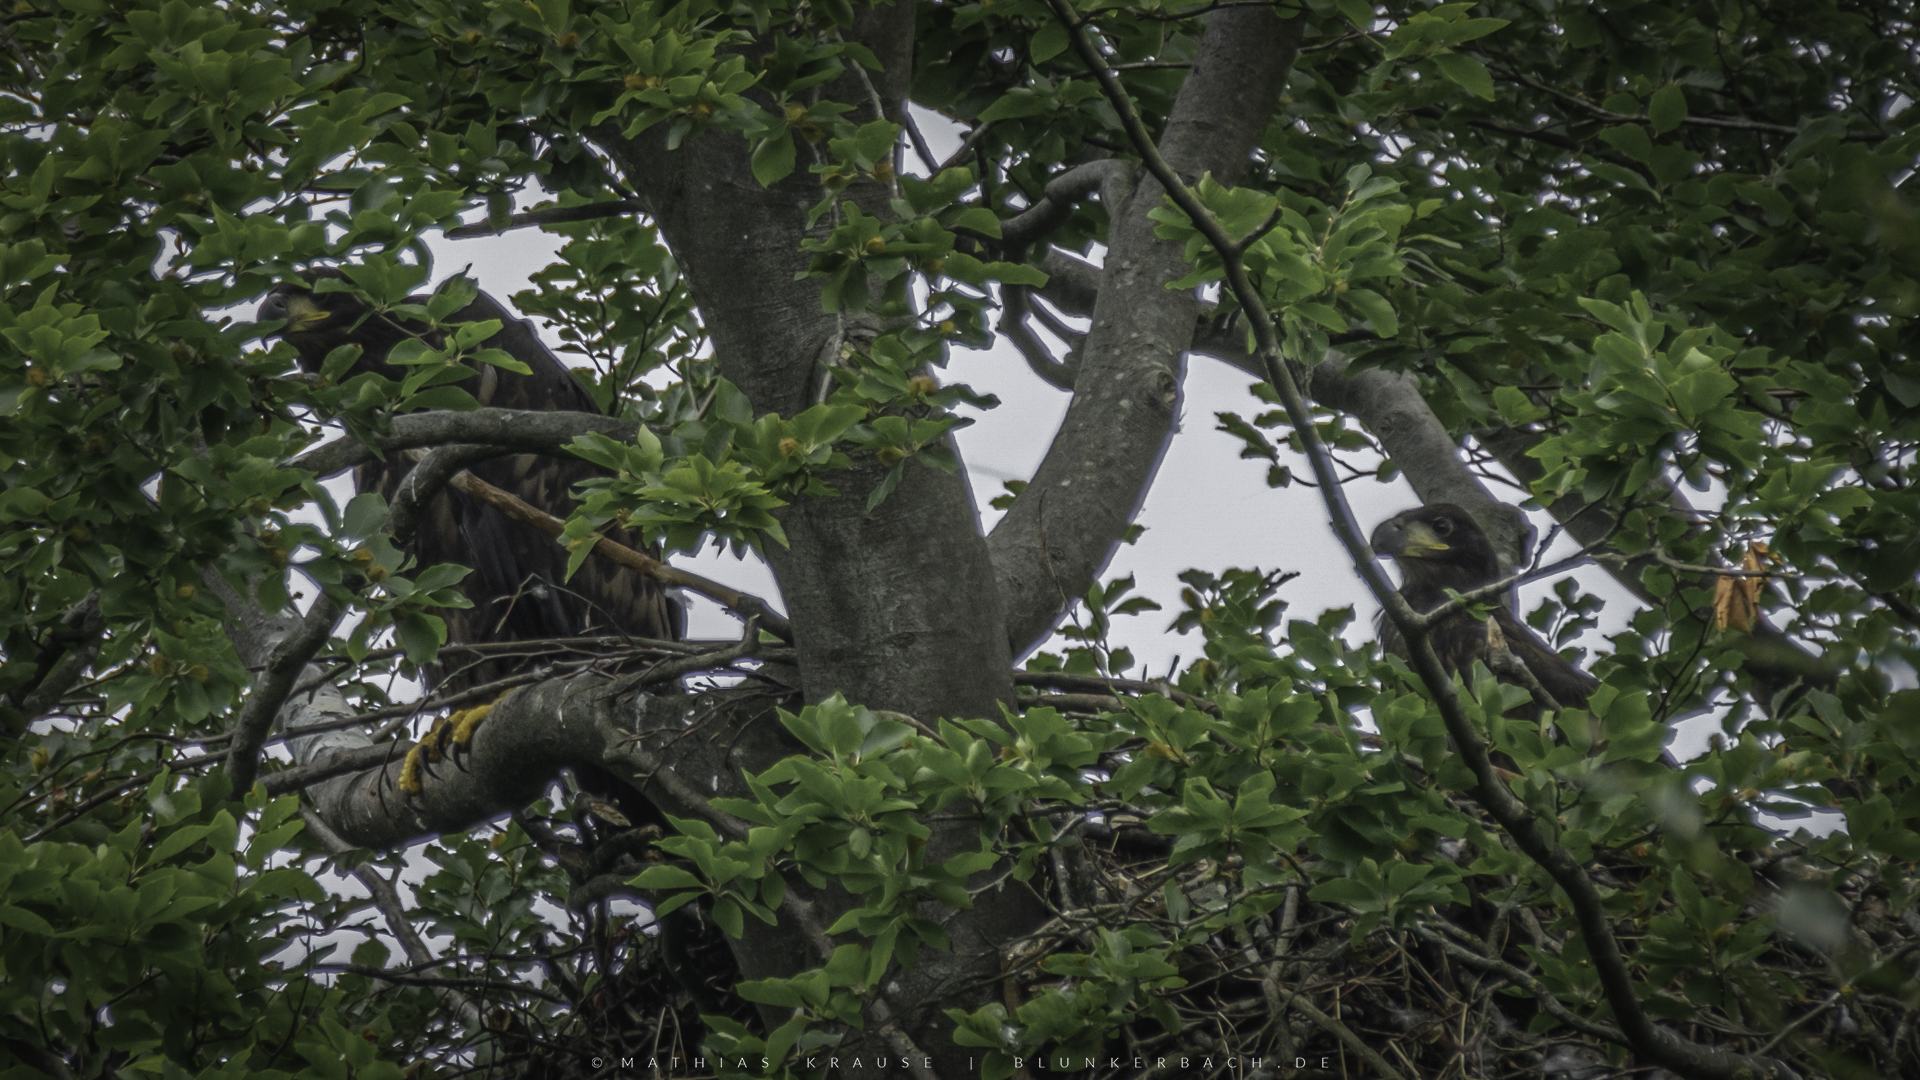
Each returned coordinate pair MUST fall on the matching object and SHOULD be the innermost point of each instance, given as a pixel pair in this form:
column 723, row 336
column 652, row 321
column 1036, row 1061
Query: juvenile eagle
column 518, row 585
column 1438, row 548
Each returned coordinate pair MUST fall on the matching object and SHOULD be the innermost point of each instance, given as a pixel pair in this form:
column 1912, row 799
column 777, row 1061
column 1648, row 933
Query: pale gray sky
column 1208, row 508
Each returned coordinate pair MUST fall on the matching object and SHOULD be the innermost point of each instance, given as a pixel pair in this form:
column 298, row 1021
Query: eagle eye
column 1443, row 526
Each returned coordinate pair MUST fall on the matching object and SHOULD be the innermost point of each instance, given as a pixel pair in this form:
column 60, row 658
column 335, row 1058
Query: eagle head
column 1438, row 547
column 297, row 306
column 319, row 322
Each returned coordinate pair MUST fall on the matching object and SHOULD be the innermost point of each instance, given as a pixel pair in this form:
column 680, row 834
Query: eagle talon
column 452, row 731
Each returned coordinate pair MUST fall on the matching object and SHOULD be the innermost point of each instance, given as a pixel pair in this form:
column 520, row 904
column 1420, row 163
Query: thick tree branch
column 1529, row 834
column 1063, row 528
column 272, row 686
column 1111, row 178
column 287, row 662
column 508, row 430
column 746, row 605
column 553, row 215
column 1388, row 404
column 334, row 764
column 524, row 743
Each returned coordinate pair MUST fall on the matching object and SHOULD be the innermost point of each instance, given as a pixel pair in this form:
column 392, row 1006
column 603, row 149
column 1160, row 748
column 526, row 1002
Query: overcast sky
column 1208, row 508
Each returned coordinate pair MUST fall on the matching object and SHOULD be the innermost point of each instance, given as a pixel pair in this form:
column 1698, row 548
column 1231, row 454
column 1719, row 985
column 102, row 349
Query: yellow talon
column 456, row 729
column 410, row 772
column 465, row 723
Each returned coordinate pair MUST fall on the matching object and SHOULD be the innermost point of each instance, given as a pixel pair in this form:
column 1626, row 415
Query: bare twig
column 1532, row 985
column 745, row 604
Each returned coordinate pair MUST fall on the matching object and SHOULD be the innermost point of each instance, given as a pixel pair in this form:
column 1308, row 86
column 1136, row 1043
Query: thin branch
column 1337, row 1029
column 745, row 605
column 1833, row 998
column 1547, row 1000
column 1732, row 123
column 1059, row 374
column 919, row 141
column 517, row 430
column 1660, row 554
column 967, row 146
column 553, row 215
column 441, row 983
column 1900, row 607
column 746, row 647
column 1112, row 178
column 272, row 688
column 1461, row 601
column 385, row 897
column 1056, row 326
column 1501, row 661
column 1093, row 683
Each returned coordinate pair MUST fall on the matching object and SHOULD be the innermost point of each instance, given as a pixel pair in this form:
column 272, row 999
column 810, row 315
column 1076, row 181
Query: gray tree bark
column 1062, row 530
column 908, row 608
column 898, row 609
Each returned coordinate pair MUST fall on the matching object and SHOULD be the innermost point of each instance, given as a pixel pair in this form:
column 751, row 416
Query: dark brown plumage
column 518, row 585
column 1439, row 547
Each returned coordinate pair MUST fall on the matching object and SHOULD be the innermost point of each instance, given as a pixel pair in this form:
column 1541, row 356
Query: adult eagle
column 518, row 586
column 1439, row 547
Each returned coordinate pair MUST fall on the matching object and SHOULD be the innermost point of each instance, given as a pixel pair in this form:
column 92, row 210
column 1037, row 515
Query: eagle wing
column 1564, row 682
column 518, row 585
column 1459, row 641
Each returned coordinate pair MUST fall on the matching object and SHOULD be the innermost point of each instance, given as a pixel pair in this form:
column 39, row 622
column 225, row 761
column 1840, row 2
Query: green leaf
column 1515, row 407
column 1050, row 41
column 1358, row 12
column 1467, row 73
column 178, row 841
column 667, row 877
column 980, row 220
column 21, row 919
column 776, row 992
column 727, row 916
column 1013, row 105
column 773, row 159
column 1631, row 140
column 885, row 487
column 1375, row 309
column 1666, row 109
column 1320, row 313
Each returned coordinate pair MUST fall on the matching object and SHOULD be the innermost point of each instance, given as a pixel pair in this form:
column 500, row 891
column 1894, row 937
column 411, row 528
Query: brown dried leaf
column 1736, row 600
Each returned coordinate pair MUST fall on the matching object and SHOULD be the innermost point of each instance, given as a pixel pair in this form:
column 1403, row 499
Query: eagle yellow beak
column 304, row 314
column 1422, row 541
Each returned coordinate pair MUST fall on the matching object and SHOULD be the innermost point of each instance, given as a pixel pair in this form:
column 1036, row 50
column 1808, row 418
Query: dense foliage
column 1632, row 253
